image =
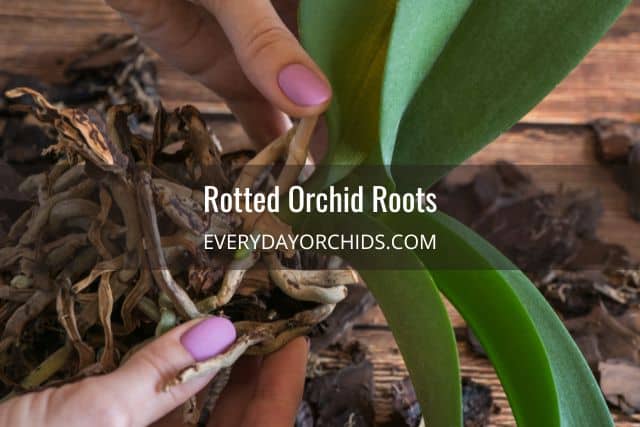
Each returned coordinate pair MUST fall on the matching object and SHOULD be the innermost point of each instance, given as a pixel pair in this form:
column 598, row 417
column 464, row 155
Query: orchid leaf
column 544, row 375
column 433, row 81
column 501, row 60
column 421, row 30
column 348, row 40
column 414, row 310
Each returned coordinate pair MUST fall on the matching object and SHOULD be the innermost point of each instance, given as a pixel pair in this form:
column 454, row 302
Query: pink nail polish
column 303, row 86
column 209, row 338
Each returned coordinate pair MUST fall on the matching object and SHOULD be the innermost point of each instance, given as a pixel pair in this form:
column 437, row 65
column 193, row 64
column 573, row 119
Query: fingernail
column 308, row 341
column 209, row 338
column 303, row 86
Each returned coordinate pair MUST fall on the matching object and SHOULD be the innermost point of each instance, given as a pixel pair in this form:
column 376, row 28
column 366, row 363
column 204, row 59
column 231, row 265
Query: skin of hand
column 261, row 392
column 243, row 50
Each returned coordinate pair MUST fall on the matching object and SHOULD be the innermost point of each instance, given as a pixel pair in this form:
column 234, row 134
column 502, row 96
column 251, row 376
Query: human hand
column 242, row 50
column 261, row 392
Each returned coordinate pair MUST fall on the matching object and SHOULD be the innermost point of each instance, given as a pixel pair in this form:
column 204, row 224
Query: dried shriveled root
column 37, row 223
column 67, row 318
column 95, row 233
column 213, row 394
column 205, row 164
column 270, row 154
column 100, row 269
column 117, row 217
column 298, row 152
column 278, row 342
column 322, row 286
column 134, row 298
column 154, row 252
column 27, row 312
column 256, row 338
column 105, row 307
column 224, row 360
column 231, row 282
column 77, row 133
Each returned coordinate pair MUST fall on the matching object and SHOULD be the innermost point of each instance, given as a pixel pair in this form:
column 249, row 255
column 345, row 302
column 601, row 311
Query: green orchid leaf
column 349, row 42
column 414, row 310
column 372, row 84
column 546, row 379
column 421, row 30
column 501, row 60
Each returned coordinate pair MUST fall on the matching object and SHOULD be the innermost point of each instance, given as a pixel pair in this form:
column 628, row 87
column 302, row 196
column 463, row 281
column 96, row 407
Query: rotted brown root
column 105, row 307
column 100, row 269
column 20, row 226
column 231, row 282
column 298, row 151
column 69, row 178
column 67, row 318
column 183, row 211
column 10, row 293
column 215, row 390
column 154, row 252
column 61, row 250
column 41, row 217
column 256, row 338
column 308, row 285
column 95, row 232
column 264, row 158
column 206, row 167
column 133, row 298
column 27, row 312
column 124, row 196
column 224, row 360
column 71, row 208
column 275, row 344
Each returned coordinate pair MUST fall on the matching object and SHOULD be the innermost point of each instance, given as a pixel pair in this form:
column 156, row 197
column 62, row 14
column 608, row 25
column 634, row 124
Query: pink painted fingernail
column 209, row 338
column 303, row 86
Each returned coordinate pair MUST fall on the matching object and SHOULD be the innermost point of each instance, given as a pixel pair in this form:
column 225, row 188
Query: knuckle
column 263, row 37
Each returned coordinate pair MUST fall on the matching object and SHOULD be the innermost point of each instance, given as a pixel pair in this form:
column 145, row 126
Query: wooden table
column 38, row 36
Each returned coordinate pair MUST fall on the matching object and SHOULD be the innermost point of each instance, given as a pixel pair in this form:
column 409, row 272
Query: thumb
column 133, row 394
column 271, row 56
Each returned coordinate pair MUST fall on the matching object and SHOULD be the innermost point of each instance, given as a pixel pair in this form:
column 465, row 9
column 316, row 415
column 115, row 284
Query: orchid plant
column 426, row 83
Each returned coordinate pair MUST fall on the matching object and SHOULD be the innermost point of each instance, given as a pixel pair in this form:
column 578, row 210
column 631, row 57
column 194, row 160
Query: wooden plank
column 36, row 36
column 389, row 368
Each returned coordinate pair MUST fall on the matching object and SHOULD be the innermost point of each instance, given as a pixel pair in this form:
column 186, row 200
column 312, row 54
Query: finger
column 271, row 57
column 189, row 38
column 180, row 31
column 279, row 387
column 133, row 394
column 236, row 396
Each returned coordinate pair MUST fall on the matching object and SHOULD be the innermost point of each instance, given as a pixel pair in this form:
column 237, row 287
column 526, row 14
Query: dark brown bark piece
column 614, row 139
column 343, row 397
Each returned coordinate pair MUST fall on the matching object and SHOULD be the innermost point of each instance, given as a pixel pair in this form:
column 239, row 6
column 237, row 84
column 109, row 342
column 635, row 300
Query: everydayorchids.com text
column 320, row 242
